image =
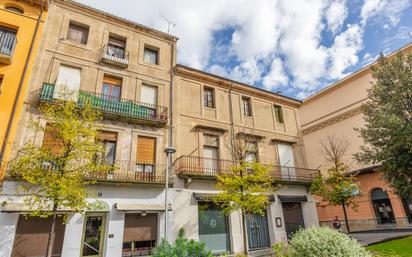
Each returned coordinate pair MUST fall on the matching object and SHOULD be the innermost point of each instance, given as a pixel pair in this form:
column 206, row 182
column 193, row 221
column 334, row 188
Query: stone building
column 149, row 103
column 335, row 111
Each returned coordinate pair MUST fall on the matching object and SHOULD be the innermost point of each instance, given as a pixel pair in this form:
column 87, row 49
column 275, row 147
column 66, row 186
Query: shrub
column 324, row 242
column 182, row 248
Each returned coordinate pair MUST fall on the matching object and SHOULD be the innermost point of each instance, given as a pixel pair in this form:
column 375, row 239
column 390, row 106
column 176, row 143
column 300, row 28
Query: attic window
column 14, row 9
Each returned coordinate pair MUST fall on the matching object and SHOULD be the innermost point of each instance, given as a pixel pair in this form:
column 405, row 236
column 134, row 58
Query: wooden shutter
column 140, row 228
column 51, row 142
column 107, row 136
column 146, row 150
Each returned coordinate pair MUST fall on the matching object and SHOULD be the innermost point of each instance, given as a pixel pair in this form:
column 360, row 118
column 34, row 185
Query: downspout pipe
column 20, row 88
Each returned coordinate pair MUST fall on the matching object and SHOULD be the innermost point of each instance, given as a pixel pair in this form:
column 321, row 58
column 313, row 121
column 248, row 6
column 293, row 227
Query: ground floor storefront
column 378, row 206
column 290, row 209
column 128, row 221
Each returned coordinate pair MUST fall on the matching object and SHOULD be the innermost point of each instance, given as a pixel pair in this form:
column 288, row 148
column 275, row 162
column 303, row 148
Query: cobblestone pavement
column 367, row 238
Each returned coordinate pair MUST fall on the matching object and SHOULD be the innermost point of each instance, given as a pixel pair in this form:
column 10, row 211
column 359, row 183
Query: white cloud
column 336, row 15
column 275, row 43
column 383, row 9
column 276, row 77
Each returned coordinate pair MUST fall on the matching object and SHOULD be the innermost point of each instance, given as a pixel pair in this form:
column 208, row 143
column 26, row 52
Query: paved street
column 368, row 238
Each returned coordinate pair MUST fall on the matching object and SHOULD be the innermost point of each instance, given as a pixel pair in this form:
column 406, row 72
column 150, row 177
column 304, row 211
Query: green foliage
column 181, row 248
column 337, row 188
column 54, row 179
column 388, row 116
column 324, row 242
column 400, row 248
column 280, row 249
column 245, row 190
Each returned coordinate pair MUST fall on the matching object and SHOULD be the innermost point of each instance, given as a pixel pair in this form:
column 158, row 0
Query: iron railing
column 126, row 171
column 111, row 105
column 115, row 55
column 7, row 41
column 209, row 167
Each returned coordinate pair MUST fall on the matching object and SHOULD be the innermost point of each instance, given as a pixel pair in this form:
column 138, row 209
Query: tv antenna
column 169, row 23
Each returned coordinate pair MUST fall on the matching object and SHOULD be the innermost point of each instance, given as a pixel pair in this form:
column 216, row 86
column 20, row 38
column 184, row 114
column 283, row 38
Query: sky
column 293, row 47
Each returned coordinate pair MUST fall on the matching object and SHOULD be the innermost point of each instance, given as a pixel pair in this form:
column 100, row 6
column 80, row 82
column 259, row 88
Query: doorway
column 382, row 206
column 293, row 217
column 257, row 231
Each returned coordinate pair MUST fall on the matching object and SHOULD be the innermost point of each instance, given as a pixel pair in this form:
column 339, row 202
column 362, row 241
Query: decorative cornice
column 333, row 120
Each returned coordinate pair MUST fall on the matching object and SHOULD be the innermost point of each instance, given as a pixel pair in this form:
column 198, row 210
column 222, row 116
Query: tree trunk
column 245, row 244
column 50, row 241
column 346, row 217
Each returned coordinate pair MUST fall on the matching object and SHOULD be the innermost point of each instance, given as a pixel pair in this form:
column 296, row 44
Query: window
column 14, row 9
column 208, row 97
column 7, row 41
column 111, row 89
column 116, row 47
column 1, row 83
column 247, row 108
column 151, row 55
column 145, row 154
column 109, row 141
column 148, row 95
column 140, row 234
column 252, row 155
column 210, row 154
column 78, row 33
column 213, row 228
column 279, row 114
column 92, row 244
column 67, row 83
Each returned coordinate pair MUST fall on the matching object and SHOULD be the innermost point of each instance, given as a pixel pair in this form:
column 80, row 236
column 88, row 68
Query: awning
column 203, row 197
column 140, row 207
column 22, row 207
column 207, row 197
column 293, row 198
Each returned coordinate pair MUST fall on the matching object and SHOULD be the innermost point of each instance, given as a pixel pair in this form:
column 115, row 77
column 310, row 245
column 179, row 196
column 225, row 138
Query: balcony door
column 286, row 160
column 67, row 83
column 112, row 88
column 210, row 154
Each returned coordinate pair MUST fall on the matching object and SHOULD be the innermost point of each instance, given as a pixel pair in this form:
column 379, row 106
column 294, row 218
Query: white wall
column 8, row 224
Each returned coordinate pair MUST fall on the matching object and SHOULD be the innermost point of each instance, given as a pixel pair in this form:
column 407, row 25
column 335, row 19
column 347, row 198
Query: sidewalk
column 373, row 237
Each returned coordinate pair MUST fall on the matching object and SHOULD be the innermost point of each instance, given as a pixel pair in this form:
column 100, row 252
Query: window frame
column 102, row 234
column 120, row 45
column 14, row 9
column 247, row 102
column 81, row 26
column 13, row 32
column 153, row 49
column 279, row 116
column 209, row 103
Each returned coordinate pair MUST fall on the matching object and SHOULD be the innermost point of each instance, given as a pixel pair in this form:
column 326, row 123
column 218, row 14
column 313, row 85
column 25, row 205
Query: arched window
column 14, row 9
column 378, row 194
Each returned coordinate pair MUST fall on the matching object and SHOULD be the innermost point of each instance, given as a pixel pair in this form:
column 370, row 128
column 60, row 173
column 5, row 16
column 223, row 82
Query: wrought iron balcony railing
column 193, row 166
column 112, row 106
column 115, row 55
column 128, row 172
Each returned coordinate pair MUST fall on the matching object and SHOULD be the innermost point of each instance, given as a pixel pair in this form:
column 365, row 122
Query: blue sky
column 295, row 47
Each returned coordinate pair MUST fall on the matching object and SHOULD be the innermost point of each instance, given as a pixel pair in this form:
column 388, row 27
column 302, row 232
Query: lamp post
column 169, row 151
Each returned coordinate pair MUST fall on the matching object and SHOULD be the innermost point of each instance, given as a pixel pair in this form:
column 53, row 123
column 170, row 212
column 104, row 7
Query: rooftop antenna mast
column 169, row 23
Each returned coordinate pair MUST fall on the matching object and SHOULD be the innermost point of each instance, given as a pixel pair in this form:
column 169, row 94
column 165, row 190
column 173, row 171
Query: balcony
column 128, row 172
column 117, row 108
column 115, row 56
column 207, row 168
column 7, row 45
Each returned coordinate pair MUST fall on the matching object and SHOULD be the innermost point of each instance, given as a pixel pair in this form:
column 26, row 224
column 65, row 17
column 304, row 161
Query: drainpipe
column 170, row 149
column 20, row 88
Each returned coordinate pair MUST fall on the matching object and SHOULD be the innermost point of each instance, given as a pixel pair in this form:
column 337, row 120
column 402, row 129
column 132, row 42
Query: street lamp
column 168, row 150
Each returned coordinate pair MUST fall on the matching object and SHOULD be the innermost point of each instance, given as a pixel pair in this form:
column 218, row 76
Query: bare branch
column 333, row 149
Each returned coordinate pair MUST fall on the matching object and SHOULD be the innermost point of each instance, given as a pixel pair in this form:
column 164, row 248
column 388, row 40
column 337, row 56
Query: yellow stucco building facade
column 21, row 24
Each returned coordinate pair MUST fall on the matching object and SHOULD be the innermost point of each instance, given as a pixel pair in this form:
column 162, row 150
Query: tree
column 388, row 122
column 53, row 175
column 337, row 187
column 247, row 188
